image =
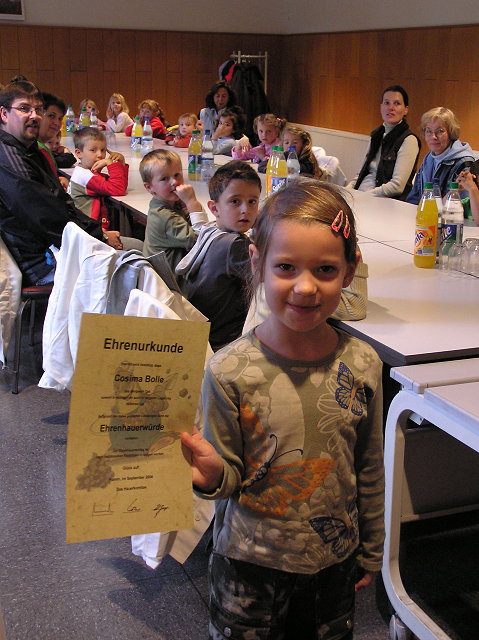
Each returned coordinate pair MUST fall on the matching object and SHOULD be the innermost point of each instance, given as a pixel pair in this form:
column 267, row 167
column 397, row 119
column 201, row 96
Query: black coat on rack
column 247, row 83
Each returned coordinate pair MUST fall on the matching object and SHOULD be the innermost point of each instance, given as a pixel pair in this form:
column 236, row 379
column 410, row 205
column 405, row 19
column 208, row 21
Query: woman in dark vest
column 392, row 156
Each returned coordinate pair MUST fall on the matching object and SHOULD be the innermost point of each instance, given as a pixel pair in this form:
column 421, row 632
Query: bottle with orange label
column 426, row 229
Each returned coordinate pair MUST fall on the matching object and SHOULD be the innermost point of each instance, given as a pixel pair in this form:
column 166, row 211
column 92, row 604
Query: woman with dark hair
column 50, row 125
column 390, row 163
column 448, row 156
column 219, row 98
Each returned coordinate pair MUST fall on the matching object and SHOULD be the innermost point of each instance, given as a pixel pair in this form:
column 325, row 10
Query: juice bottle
column 136, row 135
column 426, row 229
column 84, row 119
column 271, row 170
column 194, row 156
column 280, row 177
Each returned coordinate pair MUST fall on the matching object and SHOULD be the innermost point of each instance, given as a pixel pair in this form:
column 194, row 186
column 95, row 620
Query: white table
column 414, row 315
column 453, row 409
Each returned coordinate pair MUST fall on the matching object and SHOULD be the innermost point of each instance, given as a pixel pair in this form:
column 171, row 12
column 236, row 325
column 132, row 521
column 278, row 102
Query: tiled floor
column 95, row 590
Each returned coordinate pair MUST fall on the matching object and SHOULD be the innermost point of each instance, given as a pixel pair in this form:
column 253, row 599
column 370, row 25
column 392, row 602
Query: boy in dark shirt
column 214, row 272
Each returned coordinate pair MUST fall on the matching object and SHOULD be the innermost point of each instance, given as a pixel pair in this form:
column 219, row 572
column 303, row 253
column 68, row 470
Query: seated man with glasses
column 447, row 157
column 34, row 207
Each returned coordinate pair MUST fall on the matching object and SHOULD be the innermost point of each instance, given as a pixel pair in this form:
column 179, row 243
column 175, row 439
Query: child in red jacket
column 88, row 185
column 152, row 110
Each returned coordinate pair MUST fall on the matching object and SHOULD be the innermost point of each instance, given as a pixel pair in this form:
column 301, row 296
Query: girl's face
column 304, row 271
column 289, row 139
column 221, row 98
column 89, row 106
column 115, row 106
column 267, row 132
column 146, row 113
column 186, row 126
column 228, row 126
column 437, row 136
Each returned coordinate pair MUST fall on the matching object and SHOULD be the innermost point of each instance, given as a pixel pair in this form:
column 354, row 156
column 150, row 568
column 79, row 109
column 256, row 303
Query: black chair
column 29, row 297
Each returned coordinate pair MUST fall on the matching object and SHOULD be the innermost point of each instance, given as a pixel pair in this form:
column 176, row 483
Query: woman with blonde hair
column 447, row 157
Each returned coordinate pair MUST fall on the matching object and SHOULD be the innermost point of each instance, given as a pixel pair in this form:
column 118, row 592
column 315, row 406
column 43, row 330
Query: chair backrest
column 10, row 291
column 330, row 166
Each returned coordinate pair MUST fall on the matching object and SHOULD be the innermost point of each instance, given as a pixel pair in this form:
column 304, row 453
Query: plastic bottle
column 425, row 240
column 436, row 189
column 452, row 222
column 93, row 119
column 136, row 134
column 280, row 177
column 194, row 156
column 70, row 120
column 271, row 170
column 147, row 137
column 293, row 164
column 84, row 119
column 207, row 157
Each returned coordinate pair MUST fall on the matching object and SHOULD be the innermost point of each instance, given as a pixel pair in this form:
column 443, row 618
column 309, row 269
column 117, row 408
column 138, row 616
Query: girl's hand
column 467, row 181
column 367, row 579
column 186, row 194
column 260, row 152
column 243, row 144
column 207, row 465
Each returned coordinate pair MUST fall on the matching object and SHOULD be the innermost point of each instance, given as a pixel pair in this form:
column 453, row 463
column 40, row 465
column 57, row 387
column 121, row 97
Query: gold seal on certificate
column 136, row 387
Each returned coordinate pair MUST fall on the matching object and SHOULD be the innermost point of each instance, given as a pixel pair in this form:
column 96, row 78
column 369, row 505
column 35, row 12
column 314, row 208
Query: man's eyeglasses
column 27, row 110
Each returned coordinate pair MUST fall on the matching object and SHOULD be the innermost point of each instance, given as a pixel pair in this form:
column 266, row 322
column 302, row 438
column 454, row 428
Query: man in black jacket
column 34, row 208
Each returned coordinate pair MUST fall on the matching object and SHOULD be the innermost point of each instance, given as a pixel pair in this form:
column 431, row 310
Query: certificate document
column 136, row 387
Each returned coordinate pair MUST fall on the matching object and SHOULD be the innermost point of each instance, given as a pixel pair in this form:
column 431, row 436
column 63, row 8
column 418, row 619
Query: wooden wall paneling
column 188, row 89
column 143, row 58
column 323, row 115
column 347, row 50
column 95, row 57
column 79, row 89
column 143, row 87
column 61, row 63
column 434, row 60
column 9, row 49
column 27, row 52
column 127, row 86
column 172, row 99
column 46, row 80
column 112, row 51
column 111, row 84
column 43, row 38
column 159, row 68
column 369, row 55
column 463, row 63
column 78, row 50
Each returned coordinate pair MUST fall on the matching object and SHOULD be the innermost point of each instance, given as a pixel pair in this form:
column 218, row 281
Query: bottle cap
column 195, row 131
column 292, row 147
column 428, row 185
column 453, row 185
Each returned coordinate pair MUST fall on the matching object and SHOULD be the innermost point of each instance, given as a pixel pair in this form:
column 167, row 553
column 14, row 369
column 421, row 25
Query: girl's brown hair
column 153, row 106
column 308, row 202
column 269, row 118
column 307, row 149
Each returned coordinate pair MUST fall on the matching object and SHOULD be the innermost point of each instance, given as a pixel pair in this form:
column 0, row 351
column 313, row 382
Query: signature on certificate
column 132, row 508
column 100, row 509
column 159, row 508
